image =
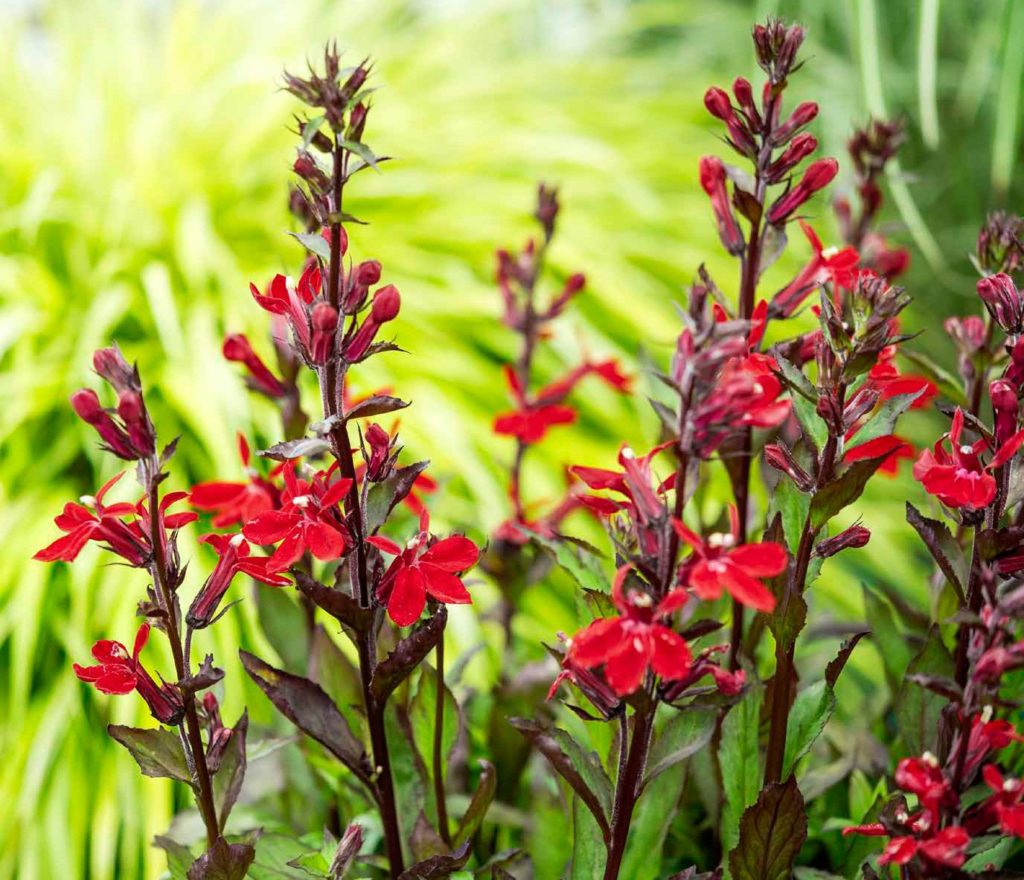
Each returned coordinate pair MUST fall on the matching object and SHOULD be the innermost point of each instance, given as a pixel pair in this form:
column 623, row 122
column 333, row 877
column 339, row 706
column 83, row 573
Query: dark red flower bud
column 368, row 273
column 357, row 122
column 1003, row 301
column 999, row 247
column 718, row 104
column 573, row 285
column 745, row 98
column 1005, row 408
column 817, row 176
column 386, row 303
column 779, row 457
column 776, row 45
column 164, row 701
column 87, row 405
column 238, row 348
column 547, row 209
column 854, row 536
column 712, row 180
column 354, row 83
column 379, row 465
column 132, row 411
column 305, row 166
column 325, row 323
column 799, row 149
column 111, row 365
column 803, row 115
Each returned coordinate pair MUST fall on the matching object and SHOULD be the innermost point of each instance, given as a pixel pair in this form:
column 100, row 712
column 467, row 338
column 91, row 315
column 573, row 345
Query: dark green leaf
column 383, row 496
column 304, row 704
column 843, row 491
column 943, row 547
column 740, row 760
column 477, row 808
column 771, row 834
column 581, row 561
column 686, row 732
column 814, row 430
column 582, row 770
column 179, row 856
column 808, row 716
column 157, row 751
column 797, row 381
column 918, row 709
column 883, row 421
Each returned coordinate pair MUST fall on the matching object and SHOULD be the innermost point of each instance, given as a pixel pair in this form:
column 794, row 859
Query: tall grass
column 142, row 170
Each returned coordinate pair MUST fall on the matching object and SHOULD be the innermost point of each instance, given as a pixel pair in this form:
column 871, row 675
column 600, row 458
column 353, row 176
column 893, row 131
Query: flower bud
column 164, row 701
column 367, row 273
column 386, row 303
column 854, row 536
column 1005, row 408
column 305, row 166
column 379, row 464
column 357, row 122
column 999, row 247
column 818, row 175
column 325, row 323
column 799, row 149
column 573, row 285
column 1003, row 301
column 776, row 45
column 132, row 411
column 779, row 457
column 87, row 405
column 718, row 104
column 712, row 181
column 547, row 209
column 111, row 365
column 803, row 115
column 745, row 98
column 238, row 348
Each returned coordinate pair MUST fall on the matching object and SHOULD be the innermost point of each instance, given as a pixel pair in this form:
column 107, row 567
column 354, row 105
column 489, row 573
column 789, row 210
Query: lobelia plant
column 804, row 380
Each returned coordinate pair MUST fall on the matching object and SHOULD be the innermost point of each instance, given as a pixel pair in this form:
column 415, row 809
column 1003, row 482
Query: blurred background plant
column 142, row 187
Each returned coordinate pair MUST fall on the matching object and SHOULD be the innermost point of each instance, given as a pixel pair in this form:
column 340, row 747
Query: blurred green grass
column 143, row 166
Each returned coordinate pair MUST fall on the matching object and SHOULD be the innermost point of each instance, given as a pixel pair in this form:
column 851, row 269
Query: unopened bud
column 854, row 536
column 1003, row 301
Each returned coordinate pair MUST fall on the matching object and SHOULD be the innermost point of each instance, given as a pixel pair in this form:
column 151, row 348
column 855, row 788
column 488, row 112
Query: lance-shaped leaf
column 842, row 492
column 771, row 834
column 437, row 867
column 314, row 242
column 339, row 604
column 206, row 676
column 157, row 751
column 304, row 447
column 685, row 733
column 408, row 654
column 814, row 430
column 943, row 547
column 477, row 808
column 383, row 496
column 577, row 558
column 740, row 761
column 306, row 705
column 808, row 716
column 378, row 405
column 795, row 379
column 223, row 861
column 835, row 667
column 582, row 770
column 227, row 782
column 919, row 708
column 883, row 421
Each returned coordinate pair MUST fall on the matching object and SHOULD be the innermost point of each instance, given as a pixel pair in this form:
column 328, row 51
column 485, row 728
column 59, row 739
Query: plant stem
column 442, row 807
column 332, row 385
column 204, row 795
column 628, row 787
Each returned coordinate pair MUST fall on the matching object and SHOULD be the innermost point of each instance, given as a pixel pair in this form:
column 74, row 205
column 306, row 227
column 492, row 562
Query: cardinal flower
column 233, row 552
column 958, row 478
column 308, row 520
column 119, row 672
column 236, row 502
column 424, row 567
column 92, row 520
column 826, row 265
column 717, row 563
column 635, row 641
column 529, row 422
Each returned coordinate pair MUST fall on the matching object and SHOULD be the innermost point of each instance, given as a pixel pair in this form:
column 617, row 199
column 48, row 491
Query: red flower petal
column 705, row 582
column 671, row 657
column 592, row 645
column 324, row 541
column 214, row 495
column 760, row 560
column 456, row 553
column 385, row 544
column 444, row 586
column 270, row 527
column 746, row 589
column 289, row 551
column 67, row 547
column 625, row 668
column 408, row 597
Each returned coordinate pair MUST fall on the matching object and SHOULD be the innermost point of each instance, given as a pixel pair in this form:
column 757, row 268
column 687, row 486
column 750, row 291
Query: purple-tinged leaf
column 304, row 447
column 223, row 861
column 943, row 547
column 771, row 834
column 438, row 867
column 339, row 604
column 843, row 491
column 157, row 751
column 835, row 667
column 477, row 808
column 306, row 705
column 382, row 497
column 407, row 655
column 377, row 405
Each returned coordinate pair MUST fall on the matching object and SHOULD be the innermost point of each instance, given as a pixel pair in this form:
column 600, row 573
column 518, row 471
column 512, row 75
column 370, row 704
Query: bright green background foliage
column 143, row 163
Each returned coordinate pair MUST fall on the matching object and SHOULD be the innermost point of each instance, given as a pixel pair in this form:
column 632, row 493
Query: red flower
column 712, row 181
column 717, row 564
column 947, row 847
column 238, row 348
column 121, row 673
column 895, row 448
column 530, row 421
column 308, row 520
column 1003, row 807
column 832, row 264
column 92, row 520
column 885, row 378
column 233, row 552
column 424, row 567
column 958, row 478
column 818, row 175
column 236, row 502
column 633, row 642
column 923, row 777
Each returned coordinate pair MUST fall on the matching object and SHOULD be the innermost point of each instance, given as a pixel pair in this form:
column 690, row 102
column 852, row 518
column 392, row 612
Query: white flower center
column 237, row 540
column 302, row 500
column 829, row 252
column 718, row 540
column 88, row 500
column 930, row 759
column 966, row 450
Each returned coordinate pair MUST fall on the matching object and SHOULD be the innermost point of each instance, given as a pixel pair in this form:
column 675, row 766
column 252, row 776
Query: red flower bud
column 111, row 365
column 367, row 273
column 1005, row 407
column 712, row 180
column 132, row 411
column 817, row 176
column 238, row 348
column 780, row 458
column 87, row 405
column 799, row 149
column 1003, row 301
column 854, row 536
column 379, row 463
column 386, row 303
column 325, row 323
column 718, row 103
column 803, row 115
